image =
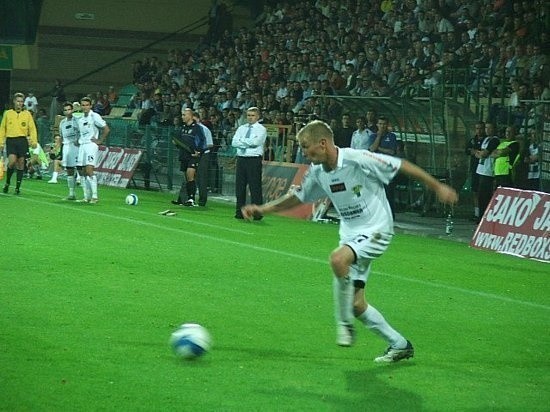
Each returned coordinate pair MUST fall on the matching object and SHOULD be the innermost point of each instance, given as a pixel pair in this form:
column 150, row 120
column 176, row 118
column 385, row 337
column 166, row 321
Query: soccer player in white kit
column 68, row 130
column 89, row 126
column 354, row 181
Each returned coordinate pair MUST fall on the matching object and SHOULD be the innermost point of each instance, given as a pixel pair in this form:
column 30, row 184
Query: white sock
column 54, row 176
column 70, row 183
column 85, row 188
column 343, row 300
column 88, row 184
column 376, row 323
column 93, row 185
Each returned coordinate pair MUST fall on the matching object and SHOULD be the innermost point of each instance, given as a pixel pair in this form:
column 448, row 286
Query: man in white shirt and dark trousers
column 486, row 168
column 249, row 140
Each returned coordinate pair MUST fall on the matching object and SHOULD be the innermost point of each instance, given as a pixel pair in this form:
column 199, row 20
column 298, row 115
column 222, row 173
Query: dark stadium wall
column 74, row 38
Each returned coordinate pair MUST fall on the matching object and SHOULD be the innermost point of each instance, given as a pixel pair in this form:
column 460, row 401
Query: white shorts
column 70, row 155
column 87, row 154
column 366, row 248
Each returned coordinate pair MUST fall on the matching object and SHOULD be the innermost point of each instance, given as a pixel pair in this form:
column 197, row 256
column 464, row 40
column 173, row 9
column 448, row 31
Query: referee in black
column 249, row 140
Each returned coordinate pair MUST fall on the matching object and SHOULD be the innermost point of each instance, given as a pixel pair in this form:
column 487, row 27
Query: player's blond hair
column 314, row 131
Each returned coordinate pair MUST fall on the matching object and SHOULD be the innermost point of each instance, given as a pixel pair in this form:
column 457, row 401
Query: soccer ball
column 190, row 341
column 132, row 199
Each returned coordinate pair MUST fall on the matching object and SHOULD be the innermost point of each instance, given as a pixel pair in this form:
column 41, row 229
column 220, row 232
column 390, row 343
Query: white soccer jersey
column 89, row 127
column 68, row 130
column 356, row 189
column 486, row 166
column 534, row 172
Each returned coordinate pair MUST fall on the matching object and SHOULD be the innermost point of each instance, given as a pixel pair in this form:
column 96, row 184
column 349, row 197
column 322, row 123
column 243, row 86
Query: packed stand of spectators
column 297, row 53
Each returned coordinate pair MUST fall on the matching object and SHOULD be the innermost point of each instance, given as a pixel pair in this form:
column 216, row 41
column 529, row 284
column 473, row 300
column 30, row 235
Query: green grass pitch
column 90, row 294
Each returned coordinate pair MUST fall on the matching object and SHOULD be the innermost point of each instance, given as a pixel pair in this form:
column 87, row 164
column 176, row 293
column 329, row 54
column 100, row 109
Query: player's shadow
column 375, row 386
column 370, row 390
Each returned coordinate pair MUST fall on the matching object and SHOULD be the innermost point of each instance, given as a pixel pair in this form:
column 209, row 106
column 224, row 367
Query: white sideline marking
column 181, row 219
column 90, row 210
column 467, row 291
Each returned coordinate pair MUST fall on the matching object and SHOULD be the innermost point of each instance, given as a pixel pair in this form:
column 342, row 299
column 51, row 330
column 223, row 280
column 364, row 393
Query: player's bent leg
column 340, row 261
column 359, row 302
column 343, row 314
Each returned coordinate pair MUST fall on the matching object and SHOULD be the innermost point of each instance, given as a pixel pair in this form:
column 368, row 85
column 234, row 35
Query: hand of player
column 250, row 211
column 446, row 194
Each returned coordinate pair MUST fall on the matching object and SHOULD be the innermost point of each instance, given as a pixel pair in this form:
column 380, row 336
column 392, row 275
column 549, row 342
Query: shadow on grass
column 376, row 388
column 377, row 391
column 367, row 390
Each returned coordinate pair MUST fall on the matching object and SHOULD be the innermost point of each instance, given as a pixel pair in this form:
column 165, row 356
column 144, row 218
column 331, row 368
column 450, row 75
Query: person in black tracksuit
column 191, row 144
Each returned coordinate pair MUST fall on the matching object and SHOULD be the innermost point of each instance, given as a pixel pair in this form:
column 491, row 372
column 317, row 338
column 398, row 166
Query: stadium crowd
column 295, row 53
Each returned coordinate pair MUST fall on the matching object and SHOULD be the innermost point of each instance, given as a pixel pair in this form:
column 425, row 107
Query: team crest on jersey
column 24, row 124
column 357, row 190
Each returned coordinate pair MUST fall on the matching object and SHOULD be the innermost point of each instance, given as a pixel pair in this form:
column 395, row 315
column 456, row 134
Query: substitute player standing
column 68, row 130
column 191, row 144
column 17, row 132
column 89, row 126
column 354, row 181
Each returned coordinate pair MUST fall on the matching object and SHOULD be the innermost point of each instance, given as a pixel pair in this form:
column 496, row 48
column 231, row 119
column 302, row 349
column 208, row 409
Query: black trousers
column 248, row 173
column 390, row 195
column 485, row 192
column 202, row 178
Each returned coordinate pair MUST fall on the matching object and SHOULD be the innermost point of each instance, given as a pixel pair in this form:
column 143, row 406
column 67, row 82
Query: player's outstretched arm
column 285, row 202
column 445, row 193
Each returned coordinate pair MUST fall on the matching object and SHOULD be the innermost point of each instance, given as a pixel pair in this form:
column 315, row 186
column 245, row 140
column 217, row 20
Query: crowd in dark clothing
column 296, row 53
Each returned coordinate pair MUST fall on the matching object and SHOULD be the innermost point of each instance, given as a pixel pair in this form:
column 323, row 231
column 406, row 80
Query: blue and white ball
column 190, row 341
column 132, row 199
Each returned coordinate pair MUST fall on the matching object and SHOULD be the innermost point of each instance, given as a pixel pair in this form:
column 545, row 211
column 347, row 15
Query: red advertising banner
column 277, row 178
column 516, row 222
column 116, row 165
